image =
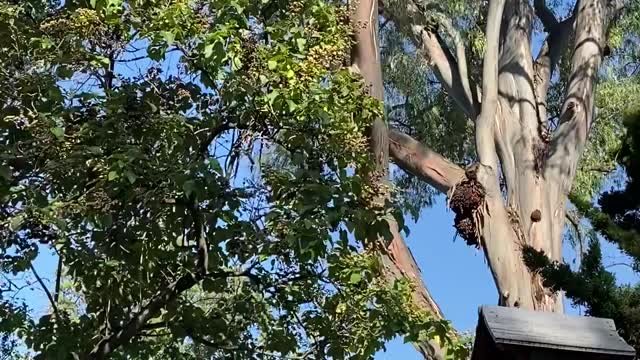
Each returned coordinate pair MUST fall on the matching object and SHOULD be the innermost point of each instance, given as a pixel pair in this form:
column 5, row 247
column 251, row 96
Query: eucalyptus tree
column 468, row 72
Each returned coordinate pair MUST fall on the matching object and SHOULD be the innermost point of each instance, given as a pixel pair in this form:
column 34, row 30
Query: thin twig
column 619, row 264
column 58, row 279
column 44, row 287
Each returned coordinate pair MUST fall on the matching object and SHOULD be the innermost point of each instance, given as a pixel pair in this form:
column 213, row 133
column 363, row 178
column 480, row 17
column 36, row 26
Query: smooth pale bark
column 398, row 260
column 522, row 131
column 512, row 139
column 485, row 146
column 577, row 111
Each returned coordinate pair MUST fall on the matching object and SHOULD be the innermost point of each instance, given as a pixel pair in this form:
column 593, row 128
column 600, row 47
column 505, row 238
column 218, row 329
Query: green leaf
column 213, row 285
column 168, row 36
column 46, row 43
column 344, row 236
column 272, row 64
column 239, row 8
column 208, row 50
column 96, row 150
column 214, row 165
column 355, row 278
column 206, row 80
column 130, row 176
column 16, row 222
column 301, row 42
column 105, row 220
column 292, row 105
column 272, row 96
column 189, row 187
column 5, row 172
column 64, row 72
column 112, row 175
column 236, row 64
column 58, row 132
column 156, row 53
column 101, row 61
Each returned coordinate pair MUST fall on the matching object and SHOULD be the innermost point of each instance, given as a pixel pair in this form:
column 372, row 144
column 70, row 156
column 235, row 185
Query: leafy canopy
column 133, row 135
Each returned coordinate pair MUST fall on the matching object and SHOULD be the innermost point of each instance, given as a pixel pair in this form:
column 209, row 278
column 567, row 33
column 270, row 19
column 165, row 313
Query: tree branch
column 547, row 60
column 411, row 21
column 545, row 15
column 574, row 219
column 461, row 61
column 414, row 158
column 110, row 343
column 58, row 278
column 577, row 110
column 201, row 240
column 576, row 115
column 397, row 258
column 213, row 134
column 46, row 290
column 214, row 345
column 485, row 144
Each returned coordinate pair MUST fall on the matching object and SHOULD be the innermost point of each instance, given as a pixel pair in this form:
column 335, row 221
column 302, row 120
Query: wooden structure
column 515, row 334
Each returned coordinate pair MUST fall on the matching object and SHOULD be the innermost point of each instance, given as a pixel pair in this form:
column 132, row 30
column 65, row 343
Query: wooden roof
column 512, row 326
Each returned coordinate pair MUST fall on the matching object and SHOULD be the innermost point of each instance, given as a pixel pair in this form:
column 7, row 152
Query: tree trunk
column 397, row 258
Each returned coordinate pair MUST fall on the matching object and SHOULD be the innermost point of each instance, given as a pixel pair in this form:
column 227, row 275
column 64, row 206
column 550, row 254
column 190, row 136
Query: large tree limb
column 400, row 263
column 461, row 61
column 450, row 72
column 485, row 142
column 516, row 128
column 420, row 161
column 577, row 111
column 547, row 60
